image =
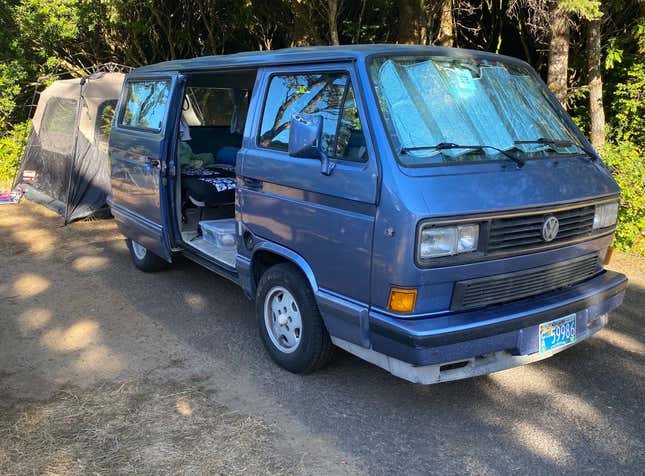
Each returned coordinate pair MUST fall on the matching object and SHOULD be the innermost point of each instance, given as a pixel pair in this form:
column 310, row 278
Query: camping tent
column 65, row 165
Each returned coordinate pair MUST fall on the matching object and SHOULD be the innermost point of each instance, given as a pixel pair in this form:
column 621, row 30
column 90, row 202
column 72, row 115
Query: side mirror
column 305, row 135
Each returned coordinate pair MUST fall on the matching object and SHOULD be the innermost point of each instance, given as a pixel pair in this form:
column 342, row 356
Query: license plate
column 556, row 333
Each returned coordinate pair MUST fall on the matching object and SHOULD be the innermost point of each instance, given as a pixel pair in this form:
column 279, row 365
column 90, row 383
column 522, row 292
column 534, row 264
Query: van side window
column 145, row 104
column 214, row 107
column 350, row 143
column 328, row 94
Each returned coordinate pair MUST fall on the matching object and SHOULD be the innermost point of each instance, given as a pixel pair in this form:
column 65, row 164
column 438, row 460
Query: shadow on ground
column 77, row 319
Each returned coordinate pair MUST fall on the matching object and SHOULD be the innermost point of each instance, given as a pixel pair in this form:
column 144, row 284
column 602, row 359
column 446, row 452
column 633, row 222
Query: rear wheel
column 144, row 259
column 290, row 324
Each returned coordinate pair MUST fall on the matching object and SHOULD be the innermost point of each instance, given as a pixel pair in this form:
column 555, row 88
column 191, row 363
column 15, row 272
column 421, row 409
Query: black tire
column 148, row 262
column 315, row 348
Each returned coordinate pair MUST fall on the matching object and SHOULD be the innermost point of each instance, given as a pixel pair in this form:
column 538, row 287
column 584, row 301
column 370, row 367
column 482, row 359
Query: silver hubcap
column 139, row 251
column 282, row 319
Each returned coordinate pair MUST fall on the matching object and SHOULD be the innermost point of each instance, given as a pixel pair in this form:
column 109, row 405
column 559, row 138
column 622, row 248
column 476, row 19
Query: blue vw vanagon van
column 433, row 211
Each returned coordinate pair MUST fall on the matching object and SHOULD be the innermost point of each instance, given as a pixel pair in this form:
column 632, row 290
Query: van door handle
column 252, row 184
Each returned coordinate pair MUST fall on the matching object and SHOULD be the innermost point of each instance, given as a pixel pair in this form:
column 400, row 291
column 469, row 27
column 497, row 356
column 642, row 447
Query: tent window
column 57, row 125
column 104, row 116
column 145, row 104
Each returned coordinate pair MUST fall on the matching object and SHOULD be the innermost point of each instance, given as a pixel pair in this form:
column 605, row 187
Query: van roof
column 310, row 54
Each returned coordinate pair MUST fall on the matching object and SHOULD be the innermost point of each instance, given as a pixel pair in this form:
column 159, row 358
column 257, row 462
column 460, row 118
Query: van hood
column 505, row 187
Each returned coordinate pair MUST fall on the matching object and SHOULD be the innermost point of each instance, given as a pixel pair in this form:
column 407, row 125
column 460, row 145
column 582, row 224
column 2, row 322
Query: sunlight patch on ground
column 620, row 340
column 541, row 442
column 36, row 240
column 75, row 337
column 90, row 263
column 100, row 359
column 184, row 407
column 9, row 220
column 535, row 379
column 538, row 380
column 34, row 319
column 30, row 285
column 575, row 407
column 195, row 301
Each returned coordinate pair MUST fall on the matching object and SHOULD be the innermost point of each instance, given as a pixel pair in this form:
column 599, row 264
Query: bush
column 11, row 148
column 625, row 160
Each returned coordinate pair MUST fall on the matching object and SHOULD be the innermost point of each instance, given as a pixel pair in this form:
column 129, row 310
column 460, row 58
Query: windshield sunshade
column 428, row 101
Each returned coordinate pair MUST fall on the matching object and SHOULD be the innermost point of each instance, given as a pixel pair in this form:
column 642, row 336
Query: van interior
column 211, row 129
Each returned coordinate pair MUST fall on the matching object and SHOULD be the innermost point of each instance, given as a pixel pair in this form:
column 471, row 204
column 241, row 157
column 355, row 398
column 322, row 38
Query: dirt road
column 104, row 369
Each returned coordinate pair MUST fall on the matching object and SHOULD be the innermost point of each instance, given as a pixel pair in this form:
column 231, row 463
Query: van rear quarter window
column 145, row 104
column 328, row 94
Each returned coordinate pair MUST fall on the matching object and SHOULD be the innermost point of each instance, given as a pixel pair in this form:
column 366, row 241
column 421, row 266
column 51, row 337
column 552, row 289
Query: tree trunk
column 300, row 35
column 596, row 111
column 412, row 22
column 559, row 54
column 333, row 7
column 446, row 36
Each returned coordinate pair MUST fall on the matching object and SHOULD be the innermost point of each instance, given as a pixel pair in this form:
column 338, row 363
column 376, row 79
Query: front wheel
column 290, row 324
column 144, row 259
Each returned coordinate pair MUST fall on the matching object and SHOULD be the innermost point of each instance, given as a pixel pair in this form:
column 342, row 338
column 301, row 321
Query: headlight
column 606, row 215
column 447, row 240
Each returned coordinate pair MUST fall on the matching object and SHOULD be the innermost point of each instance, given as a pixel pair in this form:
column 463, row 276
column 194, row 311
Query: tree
column 302, row 32
column 550, row 23
column 412, row 22
column 558, row 53
column 596, row 110
column 446, row 36
column 333, row 8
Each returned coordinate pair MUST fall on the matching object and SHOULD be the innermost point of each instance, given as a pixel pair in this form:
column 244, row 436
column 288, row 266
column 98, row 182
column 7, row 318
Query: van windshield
column 498, row 107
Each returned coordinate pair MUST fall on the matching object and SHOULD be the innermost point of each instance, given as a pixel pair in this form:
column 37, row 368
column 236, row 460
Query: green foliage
column 613, row 54
column 629, row 105
column 11, row 77
column 588, row 9
column 11, row 147
column 625, row 160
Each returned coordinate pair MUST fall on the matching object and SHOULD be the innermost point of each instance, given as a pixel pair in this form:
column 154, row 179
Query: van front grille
column 498, row 289
column 517, row 233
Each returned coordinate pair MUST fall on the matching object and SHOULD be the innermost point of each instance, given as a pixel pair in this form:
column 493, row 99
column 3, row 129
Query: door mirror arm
column 327, row 166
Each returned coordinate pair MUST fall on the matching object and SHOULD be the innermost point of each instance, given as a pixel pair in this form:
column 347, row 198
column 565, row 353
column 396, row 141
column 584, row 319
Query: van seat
column 227, row 155
column 211, row 139
column 208, row 187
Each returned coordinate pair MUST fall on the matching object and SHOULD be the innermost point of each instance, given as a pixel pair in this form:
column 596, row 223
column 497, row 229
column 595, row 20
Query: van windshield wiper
column 557, row 143
column 449, row 145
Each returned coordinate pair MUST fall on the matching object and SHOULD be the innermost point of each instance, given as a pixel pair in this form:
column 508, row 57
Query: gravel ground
column 104, row 369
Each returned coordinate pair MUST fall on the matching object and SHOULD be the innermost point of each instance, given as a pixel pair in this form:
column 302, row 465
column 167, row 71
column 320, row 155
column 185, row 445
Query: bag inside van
column 212, row 124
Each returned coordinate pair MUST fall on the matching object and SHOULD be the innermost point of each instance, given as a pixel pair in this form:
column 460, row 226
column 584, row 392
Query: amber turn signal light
column 608, row 254
column 402, row 300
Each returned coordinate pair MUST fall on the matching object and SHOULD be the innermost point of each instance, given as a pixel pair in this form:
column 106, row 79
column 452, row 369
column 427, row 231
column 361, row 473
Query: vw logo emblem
column 550, row 228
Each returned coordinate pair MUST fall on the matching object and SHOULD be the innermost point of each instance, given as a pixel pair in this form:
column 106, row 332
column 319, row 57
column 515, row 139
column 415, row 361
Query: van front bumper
column 465, row 344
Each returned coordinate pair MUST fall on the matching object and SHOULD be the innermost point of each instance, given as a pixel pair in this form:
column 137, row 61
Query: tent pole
column 77, row 124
